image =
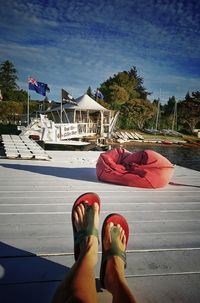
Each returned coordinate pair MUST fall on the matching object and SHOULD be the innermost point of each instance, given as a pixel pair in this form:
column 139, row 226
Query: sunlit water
column 183, row 156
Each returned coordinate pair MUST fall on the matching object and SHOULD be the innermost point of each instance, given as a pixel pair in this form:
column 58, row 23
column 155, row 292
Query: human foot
column 85, row 222
column 115, row 233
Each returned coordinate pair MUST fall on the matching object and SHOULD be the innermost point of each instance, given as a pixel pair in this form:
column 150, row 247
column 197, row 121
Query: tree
column 8, row 78
column 118, row 94
column 89, row 92
column 187, row 96
column 196, row 96
column 169, row 107
column 140, row 89
column 10, row 111
column 123, row 87
column 135, row 114
column 189, row 112
column 18, row 95
column 169, row 113
column 125, row 92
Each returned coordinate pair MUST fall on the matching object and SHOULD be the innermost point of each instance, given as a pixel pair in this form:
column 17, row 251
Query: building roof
column 84, row 102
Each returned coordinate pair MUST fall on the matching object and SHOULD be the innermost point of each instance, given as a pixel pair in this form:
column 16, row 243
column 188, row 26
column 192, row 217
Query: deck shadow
column 182, row 184
column 77, row 173
column 24, row 277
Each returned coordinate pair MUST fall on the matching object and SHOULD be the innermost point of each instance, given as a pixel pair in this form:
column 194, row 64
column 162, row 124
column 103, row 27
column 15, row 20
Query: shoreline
column 153, row 143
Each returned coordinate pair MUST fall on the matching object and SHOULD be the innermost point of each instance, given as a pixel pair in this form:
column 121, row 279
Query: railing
column 75, row 130
column 87, row 128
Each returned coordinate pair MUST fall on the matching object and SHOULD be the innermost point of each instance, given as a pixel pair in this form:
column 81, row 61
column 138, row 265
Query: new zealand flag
column 38, row 87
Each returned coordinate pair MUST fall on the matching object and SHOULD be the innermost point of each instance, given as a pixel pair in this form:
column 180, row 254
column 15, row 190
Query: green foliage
column 196, row 96
column 89, row 92
column 189, row 114
column 14, row 103
column 136, row 113
column 9, row 88
column 103, row 103
column 123, row 87
column 18, row 95
column 189, row 111
column 10, row 111
column 168, row 118
column 21, row 96
column 36, row 106
column 118, row 94
column 125, row 92
column 169, row 107
column 187, row 96
column 8, row 78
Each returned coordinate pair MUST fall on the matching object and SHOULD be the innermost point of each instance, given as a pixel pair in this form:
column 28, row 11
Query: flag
column 66, row 97
column 38, row 87
column 98, row 94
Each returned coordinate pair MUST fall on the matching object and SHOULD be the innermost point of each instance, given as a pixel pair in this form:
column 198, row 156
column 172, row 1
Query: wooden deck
column 36, row 251
column 21, row 147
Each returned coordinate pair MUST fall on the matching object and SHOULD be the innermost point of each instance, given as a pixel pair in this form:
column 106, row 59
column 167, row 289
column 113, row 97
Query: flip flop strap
column 90, row 230
column 115, row 252
column 114, row 249
column 82, row 234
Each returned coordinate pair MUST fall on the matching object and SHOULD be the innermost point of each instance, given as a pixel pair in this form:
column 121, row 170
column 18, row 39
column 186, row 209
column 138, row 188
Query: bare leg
column 79, row 284
column 115, row 281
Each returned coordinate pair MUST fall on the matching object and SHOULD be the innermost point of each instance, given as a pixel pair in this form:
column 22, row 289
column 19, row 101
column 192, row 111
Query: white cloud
column 80, row 43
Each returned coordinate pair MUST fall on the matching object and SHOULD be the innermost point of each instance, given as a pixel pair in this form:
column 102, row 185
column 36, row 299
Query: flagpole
column 28, row 107
column 61, row 108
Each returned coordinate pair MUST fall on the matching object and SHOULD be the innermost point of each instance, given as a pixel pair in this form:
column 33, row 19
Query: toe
column 76, row 220
column 121, row 234
column 96, row 208
column 80, row 210
column 107, row 235
column 79, row 216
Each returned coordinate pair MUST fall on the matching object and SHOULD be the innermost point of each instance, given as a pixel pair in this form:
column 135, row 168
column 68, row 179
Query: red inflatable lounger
column 146, row 169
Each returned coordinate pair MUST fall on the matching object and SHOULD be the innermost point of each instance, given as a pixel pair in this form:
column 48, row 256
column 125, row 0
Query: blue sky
column 76, row 44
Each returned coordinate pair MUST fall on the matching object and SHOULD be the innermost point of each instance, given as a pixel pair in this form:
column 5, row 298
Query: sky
column 73, row 44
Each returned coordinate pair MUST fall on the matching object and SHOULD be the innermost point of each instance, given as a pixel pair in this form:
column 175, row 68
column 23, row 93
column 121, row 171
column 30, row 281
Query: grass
column 162, row 137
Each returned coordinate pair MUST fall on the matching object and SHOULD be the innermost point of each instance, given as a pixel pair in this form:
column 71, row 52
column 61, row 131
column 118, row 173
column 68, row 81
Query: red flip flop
column 91, row 198
column 114, row 249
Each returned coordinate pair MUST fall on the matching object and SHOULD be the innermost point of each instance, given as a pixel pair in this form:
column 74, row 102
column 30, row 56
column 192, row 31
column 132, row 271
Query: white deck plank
column 30, row 229
column 143, row 264
column 23, row 147
column 35, row 213
column 62, row 244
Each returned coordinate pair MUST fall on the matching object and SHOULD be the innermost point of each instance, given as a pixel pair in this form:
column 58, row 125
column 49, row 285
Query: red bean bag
column 146, row 169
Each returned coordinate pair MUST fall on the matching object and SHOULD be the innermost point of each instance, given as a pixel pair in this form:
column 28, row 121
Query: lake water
column 184, row 156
